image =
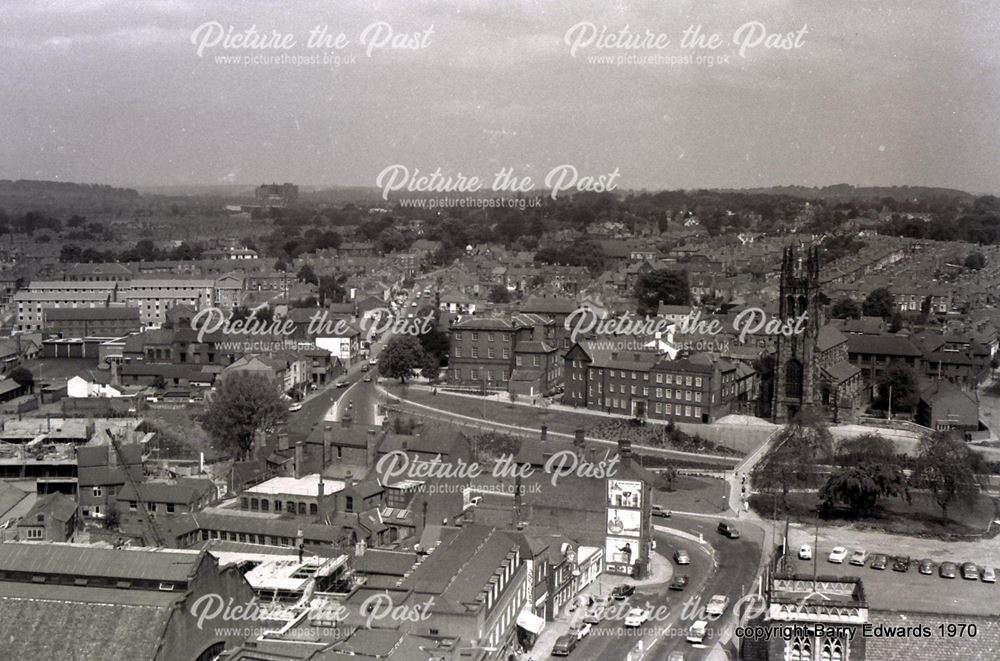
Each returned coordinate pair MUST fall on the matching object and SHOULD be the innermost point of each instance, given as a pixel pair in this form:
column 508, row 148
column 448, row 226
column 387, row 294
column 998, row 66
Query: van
column 728, row 530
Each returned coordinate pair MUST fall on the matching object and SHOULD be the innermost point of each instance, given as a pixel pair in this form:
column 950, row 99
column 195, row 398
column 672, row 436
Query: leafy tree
column 331, row 289
column 903, row 382
column 860, row 487
column 975, row 261
column 280, row 265
column 866, row 448
column 944, row 467
column 22, row 376
column 401, row 357
column 436, row 343
column 499, row 294
column 662, row 285
column 879, row 303
column 244, row 405
column 794, row 454
column 306, row 274
column 845, row 308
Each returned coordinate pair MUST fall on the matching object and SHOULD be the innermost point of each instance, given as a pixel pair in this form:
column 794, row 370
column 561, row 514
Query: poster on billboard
column 624, row 493
column 623, row 522
column 621, row 550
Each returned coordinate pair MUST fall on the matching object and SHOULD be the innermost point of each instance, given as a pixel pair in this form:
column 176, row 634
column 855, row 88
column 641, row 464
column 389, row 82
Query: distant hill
column 64, row 197
column 848, row 192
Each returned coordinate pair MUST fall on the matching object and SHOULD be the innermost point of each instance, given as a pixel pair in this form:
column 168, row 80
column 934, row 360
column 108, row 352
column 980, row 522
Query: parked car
column 592, row 617
column 837, row 555
column 636, row 617
column 989, row 575
column 564, row 645
column 367, row 379
column 657, row 510
column 342, row 384
column 717, row 605
column 681, row 557
column 679, row 582
column 676, row 656
column 859, row 558
column 581, row 631
column 297, row 406
column 926, row 567
column 970, row 571
column 373, row 361
column 364, row 367
column 805, row 552
column 623, row 591
column 879, row 561
column 696, row 634
column 727, row 529
column 901, row 563
column 948, row 570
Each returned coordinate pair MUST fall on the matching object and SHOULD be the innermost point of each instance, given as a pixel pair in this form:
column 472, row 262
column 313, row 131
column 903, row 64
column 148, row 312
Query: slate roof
column 882, row 345
column 56, row 505
column 985, row 646
column 83, row 561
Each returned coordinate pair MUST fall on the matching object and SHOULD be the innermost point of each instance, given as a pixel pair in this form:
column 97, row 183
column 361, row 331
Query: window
column 170, row 508
column 313, row 509
column 98, row 492
column 489, row 337
column 687, row 411
column 152, row 507
column 659, row 378
column 491, row 352
column 536, row 361
column 668, row 408
column 254, row 504
column 697, row 395
column 349, row 504
column 265, row 505
column 634, row 389
column 519, row 361
column 458, row 352
column 475, row 337
column 475, row 352
column 133, row 506
column 833, row 650
column 35, row 533
column 475, row 374
column 687, row 380
column 277, row 503
column 668, row 379
column 506, row 353
column 659, row 392
column 798, row 649
column 697, row 381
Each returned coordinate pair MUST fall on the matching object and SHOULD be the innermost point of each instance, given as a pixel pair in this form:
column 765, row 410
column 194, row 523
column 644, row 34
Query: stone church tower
column 796, row 376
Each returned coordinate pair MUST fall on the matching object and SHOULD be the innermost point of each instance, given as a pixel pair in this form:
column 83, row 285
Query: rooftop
column 304, row 486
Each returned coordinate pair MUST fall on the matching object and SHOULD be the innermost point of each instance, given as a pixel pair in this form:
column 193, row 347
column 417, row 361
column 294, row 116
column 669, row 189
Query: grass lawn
column 921, row 517
column 693, row 494
column 180, row 435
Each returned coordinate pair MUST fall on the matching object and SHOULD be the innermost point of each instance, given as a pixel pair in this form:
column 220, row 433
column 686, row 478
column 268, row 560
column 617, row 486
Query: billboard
column 624, row 522
column 621, row 550
column 624, row 493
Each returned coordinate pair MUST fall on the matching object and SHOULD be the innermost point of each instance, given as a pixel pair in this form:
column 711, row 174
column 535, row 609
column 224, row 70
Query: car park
column 837, row 555
column 901, row 563
column 859, row 558
column 805, row 552
column 681, row 557
column 696, row 634
column 926, row 567
column 727, row 529
column 623, row 591
column 679, row 582
column 879, row 561
column 948, row 570
column 564, row 645
column 636, row 617
column 970, row 571
column 989, row 575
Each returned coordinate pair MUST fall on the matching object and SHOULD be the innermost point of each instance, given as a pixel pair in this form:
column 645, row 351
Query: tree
column 662, row 286
column 499, row 294
column 879, row 303
column 244, row 405
column 401, row 358
column 280, row 265
column 845, row 308
column 22, row 376
column 306, row 274
column 944, row 467
column 331, row 289
column 866, row 448
column 436, row 343
column 975, row 261
column 903, row 383
column 794, row 454
column 860, row 487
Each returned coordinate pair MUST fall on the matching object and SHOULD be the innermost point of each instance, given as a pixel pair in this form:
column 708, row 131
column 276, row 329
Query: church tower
column 796, row 375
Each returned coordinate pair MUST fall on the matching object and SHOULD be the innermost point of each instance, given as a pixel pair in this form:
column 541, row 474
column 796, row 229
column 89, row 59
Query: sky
column 150, row 93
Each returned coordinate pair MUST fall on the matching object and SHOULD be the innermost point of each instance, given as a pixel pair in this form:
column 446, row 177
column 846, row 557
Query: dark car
column 564, row 645
column 679, row 583
column 970, row 571
column 947, row 570
column 727, row 529
column 901, row 563
column 623, row 591
column 879, row 561
column 364, row 367
column 926, row 567
column 681, row 557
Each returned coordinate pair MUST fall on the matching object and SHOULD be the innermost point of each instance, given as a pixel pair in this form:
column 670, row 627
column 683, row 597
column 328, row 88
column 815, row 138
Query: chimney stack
column 545, row 432
column 327, row 443
column 300, row 457
column 348, row 479
column 319, row 494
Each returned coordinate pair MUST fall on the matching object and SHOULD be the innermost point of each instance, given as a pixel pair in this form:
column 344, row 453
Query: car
column 926, row 567
column 592, row 617
column 727, row 529
column 365, row 367
column 681, row 557
column 901, row 563
column 582, row 630
column 859, row 558
column 879, row 561
column 989, row 575
column 564, row 645
column 696, row 634
column 636, row 617
column 297, row 406
column 657, row 510
column 676, row 655
column 413, row 304
column 837, row 555
column 623, row 591
column 717, row 605
column 342, row 384
column 367, row 379
column 805, row 552
column 373, row 361
column 970, row 571
column 679, row 582
column 948, row 570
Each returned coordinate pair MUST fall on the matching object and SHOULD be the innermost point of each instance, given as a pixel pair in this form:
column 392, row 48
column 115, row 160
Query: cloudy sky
column 875, row 93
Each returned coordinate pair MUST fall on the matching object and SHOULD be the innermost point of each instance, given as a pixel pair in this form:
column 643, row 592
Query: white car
column 805, row 552
column 636, row 617
column 582, row 630
column 837, row 555
column 297, row 406
column 696, row 634
column 717, row 605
